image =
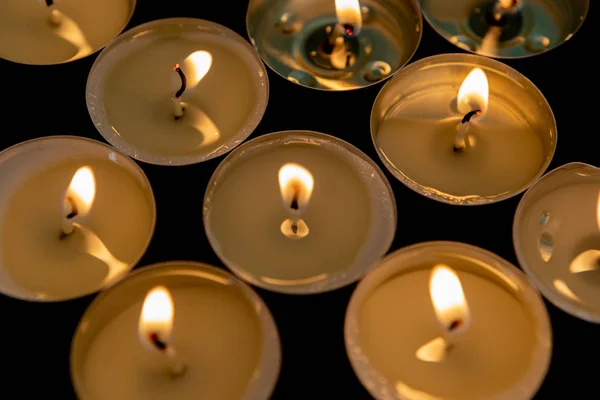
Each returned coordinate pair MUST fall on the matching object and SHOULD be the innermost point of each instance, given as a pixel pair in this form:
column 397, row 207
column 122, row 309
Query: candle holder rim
column 99, row 116
column 552, row 296
column 133, row 5
column 418, row 14
column 303, row 289
column 433, row 194
column 501, row 57
column 270, row 345
column 152, row 205
column 533, row 377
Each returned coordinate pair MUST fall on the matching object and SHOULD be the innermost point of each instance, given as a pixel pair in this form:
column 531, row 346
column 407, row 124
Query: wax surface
column 418, row 139
column 397, row 318
column 556, row 229
column 247, row 212
column 216, row 333
column 138, row 92
column 26, row 36
column 33, row 254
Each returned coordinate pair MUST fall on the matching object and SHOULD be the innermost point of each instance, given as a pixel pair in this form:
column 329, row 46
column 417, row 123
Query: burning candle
column 177, row 91
column 447, row 320
column 44, row 32
column 176, row 330
column 335, row 44
column 75, row 216
column 463, row 129
column 506, row 28
column 299, row 212
column 557, row 234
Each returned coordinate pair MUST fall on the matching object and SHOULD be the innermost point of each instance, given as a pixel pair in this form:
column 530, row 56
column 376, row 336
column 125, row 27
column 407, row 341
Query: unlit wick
column 460, row 140
column 176, row 367
column 178, row 107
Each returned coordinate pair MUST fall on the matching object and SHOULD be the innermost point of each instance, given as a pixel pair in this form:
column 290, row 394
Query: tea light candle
column 176, row 330
column 506, row 28
column 335, row 44
column 44, row 32
column 445, row 320
column 75, row 216
column 557, row 238
column 299, row 212
column 177, row 91
column 463, row 129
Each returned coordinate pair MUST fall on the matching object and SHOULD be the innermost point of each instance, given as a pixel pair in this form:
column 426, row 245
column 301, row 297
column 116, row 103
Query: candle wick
column 294, row 205
column 457, row 323
column 49, row 2
column 469, row 115
column 459, row 141
column 162, row 346
column 73, row 205
column 183, row 81
column 349, row 29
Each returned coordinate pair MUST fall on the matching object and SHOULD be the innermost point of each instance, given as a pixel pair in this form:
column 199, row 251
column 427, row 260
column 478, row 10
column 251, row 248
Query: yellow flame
column 157, row 315
column 348, row 12
column 295, row 181
column 507, row 4
column 195, row 67
column 474, row 92
column 82, row 190
column 448, row 299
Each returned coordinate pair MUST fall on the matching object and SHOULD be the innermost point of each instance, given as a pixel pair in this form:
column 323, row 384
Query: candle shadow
column 94, row 246
column 68, row 30
column 202, row 123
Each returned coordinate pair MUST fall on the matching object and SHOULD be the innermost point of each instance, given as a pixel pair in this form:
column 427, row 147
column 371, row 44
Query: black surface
column 49, row 100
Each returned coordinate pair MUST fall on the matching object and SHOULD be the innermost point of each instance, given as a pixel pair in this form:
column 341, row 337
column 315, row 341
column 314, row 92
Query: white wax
column 418, row 136
column 26, row 36
column 493, row 354
column 31, row 250
column 554, row 230
column 216, row 335
column 246, row 213
column 139, row 88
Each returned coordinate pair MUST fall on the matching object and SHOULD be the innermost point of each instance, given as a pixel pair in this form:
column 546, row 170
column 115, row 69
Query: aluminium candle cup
column 556, row 235
column 34, row 33
column 290, row 37
column 503, row 353
column 349, row 221
column 223, row 334
column 132, row 85
column 481, row 26
column 415, row 120
column 36, row 262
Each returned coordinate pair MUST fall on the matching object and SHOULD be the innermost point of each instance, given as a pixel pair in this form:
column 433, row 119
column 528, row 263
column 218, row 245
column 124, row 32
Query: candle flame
column 448, row 298
column 296, row 184
column 156, row 319
column 82, row 191
column 474, row 92
column 195, row 67
column 508, row 4
column 349, row 16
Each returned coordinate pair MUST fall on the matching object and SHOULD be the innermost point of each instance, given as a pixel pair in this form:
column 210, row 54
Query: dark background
column 48, row 100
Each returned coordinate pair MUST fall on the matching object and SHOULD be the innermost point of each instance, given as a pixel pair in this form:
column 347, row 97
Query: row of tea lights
column 296, row 212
